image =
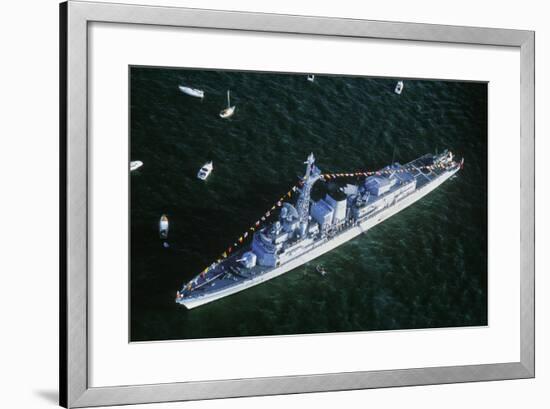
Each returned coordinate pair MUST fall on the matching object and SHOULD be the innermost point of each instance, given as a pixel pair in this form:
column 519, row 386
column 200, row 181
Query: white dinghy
column 230, row 110
column 197, row 93
column 135, row 165
column 311, row 77
column 399, row 87
column 205, row 171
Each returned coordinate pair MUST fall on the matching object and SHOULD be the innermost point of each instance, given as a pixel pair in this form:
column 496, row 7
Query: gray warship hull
column 223, row 286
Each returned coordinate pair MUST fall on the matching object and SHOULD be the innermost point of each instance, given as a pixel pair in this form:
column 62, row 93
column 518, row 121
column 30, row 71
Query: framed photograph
column 258, row 204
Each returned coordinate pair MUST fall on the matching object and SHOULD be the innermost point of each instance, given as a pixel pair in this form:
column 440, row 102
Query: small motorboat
column 311, row 77
column 321, row 270
column 230, row 110
column 135, row 165
column 205, row 171
column 163, row 227
column 197, row 93
column 399, row 87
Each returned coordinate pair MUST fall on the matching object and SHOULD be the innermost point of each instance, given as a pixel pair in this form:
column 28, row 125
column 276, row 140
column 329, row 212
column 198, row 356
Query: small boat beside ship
column 205, row 171
column 194, row 92
column 135, row 165
column 163, row 227
column 399, row 87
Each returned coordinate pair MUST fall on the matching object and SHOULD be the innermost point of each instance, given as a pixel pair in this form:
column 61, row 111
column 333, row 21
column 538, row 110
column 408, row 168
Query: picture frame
column 75, row 388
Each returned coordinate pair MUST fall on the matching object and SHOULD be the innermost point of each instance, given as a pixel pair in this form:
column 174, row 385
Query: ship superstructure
column 307, row 229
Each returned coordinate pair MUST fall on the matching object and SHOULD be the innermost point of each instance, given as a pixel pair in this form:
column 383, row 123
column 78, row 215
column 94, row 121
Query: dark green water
column 425, row 267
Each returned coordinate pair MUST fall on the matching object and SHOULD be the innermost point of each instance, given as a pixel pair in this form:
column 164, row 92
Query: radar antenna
column 312, row 175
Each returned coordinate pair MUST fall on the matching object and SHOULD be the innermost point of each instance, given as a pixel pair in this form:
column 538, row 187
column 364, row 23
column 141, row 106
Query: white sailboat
column 194, row 92
column 230, row 110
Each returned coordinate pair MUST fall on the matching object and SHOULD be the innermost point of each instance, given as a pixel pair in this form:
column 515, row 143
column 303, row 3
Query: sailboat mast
column 228, row 103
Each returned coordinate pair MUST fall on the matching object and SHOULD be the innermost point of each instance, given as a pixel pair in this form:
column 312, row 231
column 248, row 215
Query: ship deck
column 420, row 173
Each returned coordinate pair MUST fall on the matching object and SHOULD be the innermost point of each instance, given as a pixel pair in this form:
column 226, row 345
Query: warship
column 306, row 229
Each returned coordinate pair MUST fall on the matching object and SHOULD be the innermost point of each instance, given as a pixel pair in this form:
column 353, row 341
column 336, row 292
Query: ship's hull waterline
column 322, row 248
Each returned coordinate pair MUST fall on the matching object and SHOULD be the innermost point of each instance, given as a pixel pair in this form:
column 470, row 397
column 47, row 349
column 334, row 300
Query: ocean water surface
column 425, row 267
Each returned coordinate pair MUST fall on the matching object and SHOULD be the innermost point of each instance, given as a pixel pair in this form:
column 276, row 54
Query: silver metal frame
column 74, row 388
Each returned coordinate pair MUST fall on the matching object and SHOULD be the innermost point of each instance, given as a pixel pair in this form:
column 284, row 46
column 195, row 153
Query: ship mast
column 312, row 175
